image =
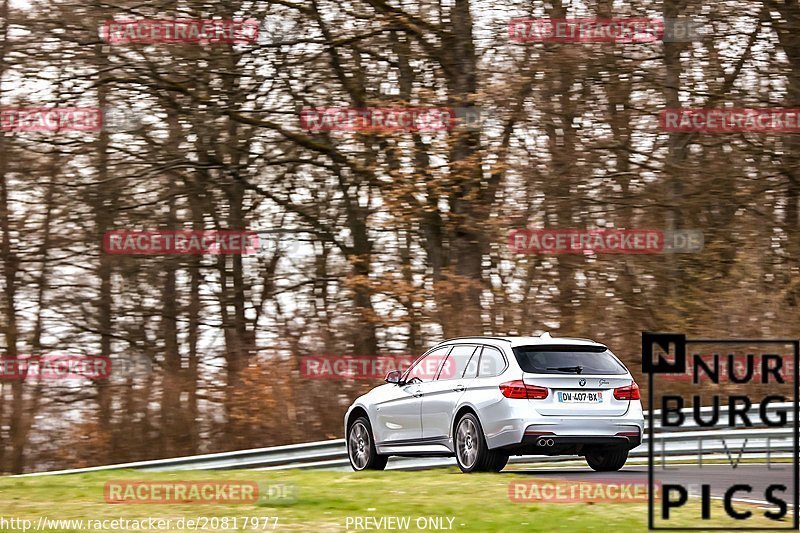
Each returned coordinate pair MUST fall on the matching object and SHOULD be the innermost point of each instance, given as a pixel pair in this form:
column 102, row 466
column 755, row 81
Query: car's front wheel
column 361, row 447
column 472, row 452
column 606, row 459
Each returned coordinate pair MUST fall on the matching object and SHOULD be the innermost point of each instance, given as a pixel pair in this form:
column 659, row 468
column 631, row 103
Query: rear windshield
column 568, row 360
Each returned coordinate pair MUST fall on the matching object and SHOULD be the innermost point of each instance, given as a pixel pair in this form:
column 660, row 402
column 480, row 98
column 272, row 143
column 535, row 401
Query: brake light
column 520, row 390
column 631, row 392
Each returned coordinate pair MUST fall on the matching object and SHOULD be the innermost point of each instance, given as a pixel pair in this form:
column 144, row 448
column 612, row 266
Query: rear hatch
column 581, row 379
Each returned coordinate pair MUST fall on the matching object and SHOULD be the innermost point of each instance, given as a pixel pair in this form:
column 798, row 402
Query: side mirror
column 393, row 377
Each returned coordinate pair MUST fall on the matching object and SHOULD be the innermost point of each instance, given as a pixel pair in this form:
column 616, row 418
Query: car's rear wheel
column 500, row 462
column 606, row 459
column 361, row 447
column 472, row 452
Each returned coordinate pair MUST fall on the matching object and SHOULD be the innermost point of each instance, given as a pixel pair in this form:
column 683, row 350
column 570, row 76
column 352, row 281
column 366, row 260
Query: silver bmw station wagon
column 484, row 399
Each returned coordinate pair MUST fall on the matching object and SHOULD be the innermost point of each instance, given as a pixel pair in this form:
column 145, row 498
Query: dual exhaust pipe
column 545, row 442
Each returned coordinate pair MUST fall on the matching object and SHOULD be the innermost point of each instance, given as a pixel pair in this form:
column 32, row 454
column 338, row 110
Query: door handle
column 460, row 388
column 416, row 394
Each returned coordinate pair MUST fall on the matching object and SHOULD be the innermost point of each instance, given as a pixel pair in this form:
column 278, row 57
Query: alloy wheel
column 359, row 445
column 467, row 442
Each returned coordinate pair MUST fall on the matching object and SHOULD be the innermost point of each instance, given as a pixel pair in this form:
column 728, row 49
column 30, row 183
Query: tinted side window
column 492, row 362
column 456, row 362
column 427, row 367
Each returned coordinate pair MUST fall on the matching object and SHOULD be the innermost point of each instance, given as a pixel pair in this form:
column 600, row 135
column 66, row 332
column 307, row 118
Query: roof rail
column 476, row 337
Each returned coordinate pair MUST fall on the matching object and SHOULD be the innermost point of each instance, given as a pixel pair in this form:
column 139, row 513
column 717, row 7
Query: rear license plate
column 580, row 397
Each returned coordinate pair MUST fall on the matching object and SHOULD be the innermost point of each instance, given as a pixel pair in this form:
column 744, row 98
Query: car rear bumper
column 627, row 441
column 522, row 429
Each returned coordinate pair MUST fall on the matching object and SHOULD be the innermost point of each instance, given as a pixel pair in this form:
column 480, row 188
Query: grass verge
column 439, row 500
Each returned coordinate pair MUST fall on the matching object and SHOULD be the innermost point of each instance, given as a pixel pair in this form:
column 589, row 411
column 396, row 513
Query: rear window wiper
column 577, row 369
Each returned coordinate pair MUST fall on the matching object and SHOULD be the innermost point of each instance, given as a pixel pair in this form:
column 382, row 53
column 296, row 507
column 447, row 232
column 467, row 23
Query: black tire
column 361, row 447
column 606, row 459
column 500, row 462
column 472, row 453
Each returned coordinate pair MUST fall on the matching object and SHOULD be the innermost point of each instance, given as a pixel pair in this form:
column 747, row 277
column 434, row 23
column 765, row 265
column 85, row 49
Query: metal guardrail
column 331, row 454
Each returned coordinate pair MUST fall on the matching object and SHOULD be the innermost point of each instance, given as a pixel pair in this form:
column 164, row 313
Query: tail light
column 631, row 392
column 520, row 390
